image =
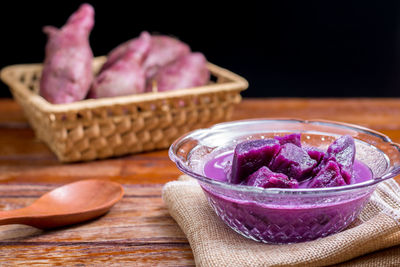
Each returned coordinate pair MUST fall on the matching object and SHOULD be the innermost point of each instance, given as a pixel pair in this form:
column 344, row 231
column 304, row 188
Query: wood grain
column 138, row 231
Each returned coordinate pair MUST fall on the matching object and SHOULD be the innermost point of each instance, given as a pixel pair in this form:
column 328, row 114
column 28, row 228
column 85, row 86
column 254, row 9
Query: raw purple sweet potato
column 265, row 178
column 343, row 150
column 67, row 71
column 186, row 72
column 140, row 46
column 293, row 161
column 328, row 176
column 250, row 156
column 125, row 75
column 164, row 50
column 294, row 138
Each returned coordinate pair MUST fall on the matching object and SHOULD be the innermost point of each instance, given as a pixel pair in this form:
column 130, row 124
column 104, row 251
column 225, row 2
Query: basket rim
column 235, row 83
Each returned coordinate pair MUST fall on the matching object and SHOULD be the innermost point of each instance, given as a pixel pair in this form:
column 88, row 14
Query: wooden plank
column 131, row 169
column 95, row 254
column 381, row 114
column 137, row 230
column 11, row 115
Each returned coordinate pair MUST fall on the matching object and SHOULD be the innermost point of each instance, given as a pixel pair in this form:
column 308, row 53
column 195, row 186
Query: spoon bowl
column 68, row 204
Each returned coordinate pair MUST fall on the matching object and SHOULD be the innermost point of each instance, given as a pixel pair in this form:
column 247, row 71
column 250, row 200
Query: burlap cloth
column 364, row 243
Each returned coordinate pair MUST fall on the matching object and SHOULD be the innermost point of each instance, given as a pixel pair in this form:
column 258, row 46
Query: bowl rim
column 290, row 191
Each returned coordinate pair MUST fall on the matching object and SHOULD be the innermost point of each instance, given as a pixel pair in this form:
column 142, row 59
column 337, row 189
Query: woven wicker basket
column 101, row 128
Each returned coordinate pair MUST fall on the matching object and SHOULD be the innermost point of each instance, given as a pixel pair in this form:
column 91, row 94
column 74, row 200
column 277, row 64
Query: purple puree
column 286, row 221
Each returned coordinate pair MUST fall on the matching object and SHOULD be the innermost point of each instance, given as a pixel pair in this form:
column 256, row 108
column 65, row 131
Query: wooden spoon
column 69, row 204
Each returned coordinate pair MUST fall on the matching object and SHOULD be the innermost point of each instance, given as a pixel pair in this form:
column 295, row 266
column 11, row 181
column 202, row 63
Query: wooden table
column 138, row 230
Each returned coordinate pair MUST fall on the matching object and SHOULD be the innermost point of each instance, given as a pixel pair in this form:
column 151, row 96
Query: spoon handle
column 18, row 216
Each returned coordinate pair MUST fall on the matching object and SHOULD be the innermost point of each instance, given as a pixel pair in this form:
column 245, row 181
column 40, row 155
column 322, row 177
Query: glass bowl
column 278, row 215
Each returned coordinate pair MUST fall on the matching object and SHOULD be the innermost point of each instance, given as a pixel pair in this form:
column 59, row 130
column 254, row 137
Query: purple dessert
column 328, row 176
column 294, row 139
column 315, row 153
column 249, row 156
column 324, row 202
column 219, row 168
column 290, row 219
column 282, row 162
column 344, row 152
column 293, row 161
column 266, row 178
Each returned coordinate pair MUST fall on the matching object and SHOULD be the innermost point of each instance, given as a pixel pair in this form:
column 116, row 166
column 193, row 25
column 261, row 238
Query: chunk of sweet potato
column 294, row 139
column 294, row 162
column 329, row 176
column 266, row 178
column 343, row 150
column 251, row 155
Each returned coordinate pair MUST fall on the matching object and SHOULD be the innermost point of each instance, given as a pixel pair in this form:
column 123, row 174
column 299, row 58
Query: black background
column 283, row 48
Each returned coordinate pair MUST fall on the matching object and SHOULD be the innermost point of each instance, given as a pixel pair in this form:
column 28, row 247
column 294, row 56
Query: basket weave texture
column 101, row 128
